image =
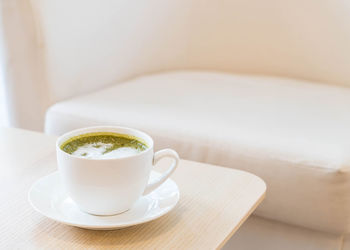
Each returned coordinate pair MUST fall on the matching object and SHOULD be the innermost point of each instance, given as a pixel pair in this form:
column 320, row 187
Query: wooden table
column 214, row 202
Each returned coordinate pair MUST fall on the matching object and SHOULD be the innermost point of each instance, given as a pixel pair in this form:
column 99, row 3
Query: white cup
column 110, row 186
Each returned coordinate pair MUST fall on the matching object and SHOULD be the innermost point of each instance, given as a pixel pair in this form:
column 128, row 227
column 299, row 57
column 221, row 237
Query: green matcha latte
column 103, row 145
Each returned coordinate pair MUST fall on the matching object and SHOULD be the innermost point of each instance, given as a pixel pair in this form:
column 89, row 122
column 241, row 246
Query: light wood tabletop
column 214, row 202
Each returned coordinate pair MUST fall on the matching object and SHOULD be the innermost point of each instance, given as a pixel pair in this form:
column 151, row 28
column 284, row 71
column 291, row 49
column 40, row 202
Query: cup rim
column 85, row 130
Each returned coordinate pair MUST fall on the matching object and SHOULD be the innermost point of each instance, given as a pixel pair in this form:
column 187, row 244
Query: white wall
column 3, row 111
column 4, row 121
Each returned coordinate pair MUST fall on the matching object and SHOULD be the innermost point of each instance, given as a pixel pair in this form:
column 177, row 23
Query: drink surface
column 103, row 145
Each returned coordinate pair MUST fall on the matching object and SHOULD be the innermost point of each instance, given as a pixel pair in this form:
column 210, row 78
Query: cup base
column 103, row 214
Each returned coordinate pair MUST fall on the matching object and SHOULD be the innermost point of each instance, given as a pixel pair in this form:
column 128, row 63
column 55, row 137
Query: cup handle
column 157, row 156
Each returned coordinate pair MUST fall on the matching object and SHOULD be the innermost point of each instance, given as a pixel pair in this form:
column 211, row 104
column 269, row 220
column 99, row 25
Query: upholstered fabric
column 89, row 47
column 69, row 47
column 257, row 233
column 295, row 135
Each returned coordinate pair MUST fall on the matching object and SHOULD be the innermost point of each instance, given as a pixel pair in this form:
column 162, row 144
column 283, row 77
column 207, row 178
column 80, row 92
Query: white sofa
column 255, row 85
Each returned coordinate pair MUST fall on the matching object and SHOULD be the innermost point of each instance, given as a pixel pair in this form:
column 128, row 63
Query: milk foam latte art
column 103, row 146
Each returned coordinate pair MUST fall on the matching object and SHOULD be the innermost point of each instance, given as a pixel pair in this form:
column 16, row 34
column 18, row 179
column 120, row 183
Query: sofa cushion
column 293, row 134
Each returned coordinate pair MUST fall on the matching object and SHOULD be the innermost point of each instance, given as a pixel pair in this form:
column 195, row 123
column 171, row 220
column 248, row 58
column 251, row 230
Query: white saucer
column 48, row 197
